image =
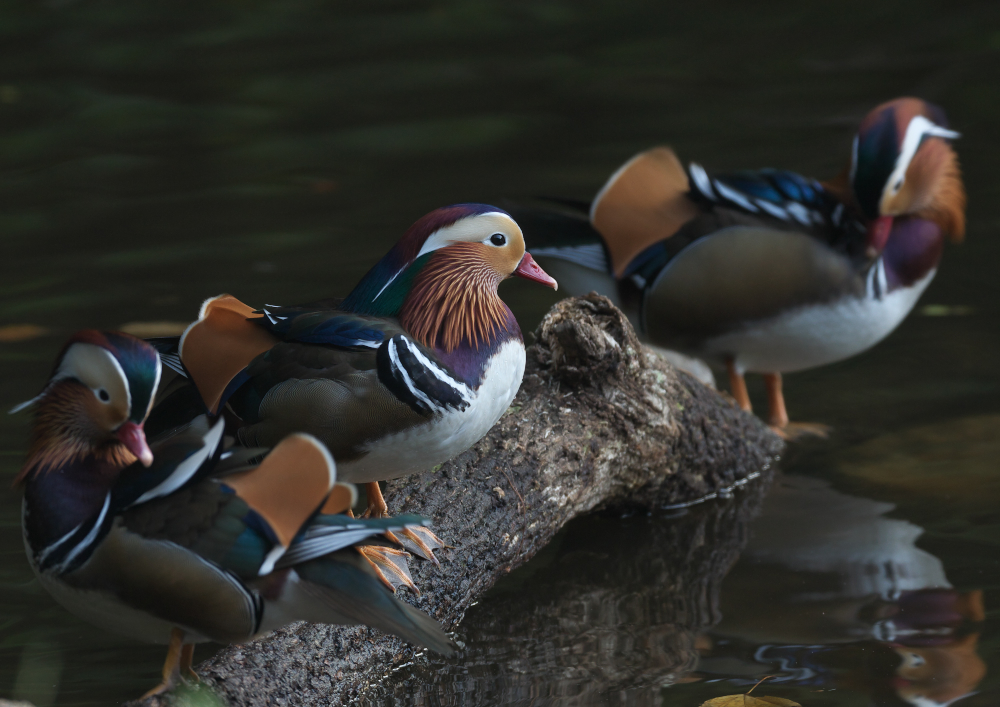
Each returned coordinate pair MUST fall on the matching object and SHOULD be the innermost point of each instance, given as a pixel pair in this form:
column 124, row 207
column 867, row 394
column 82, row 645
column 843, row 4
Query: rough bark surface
column 599, row 422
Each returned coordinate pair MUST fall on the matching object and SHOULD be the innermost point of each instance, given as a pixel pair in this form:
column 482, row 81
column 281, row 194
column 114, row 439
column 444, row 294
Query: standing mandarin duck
column 412, row 368
column 768, row 271
column 181, row 541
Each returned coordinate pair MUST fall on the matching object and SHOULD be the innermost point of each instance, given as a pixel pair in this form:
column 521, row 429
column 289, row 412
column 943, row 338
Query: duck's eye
column 103, row 395
column 498, row 239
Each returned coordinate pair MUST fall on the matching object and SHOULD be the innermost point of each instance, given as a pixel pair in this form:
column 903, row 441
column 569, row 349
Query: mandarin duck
column 413, row 367
column 767, row 271
column 182, row 540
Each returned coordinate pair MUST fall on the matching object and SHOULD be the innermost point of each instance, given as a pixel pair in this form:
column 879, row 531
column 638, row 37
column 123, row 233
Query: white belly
column 424, row 446
column 816, row 335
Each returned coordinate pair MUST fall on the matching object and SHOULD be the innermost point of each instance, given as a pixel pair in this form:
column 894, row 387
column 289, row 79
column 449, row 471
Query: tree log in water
column 600, row 422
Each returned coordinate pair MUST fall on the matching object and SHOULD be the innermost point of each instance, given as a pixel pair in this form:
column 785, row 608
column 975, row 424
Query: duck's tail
column 343, row 589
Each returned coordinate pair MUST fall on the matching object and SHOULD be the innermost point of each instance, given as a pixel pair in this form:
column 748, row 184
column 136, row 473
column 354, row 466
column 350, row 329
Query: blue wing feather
column 329, row 533
column 785, row 195
column 325, row 327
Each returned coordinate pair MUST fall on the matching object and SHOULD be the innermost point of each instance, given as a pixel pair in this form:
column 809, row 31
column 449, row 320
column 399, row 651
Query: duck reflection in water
column 833, row 594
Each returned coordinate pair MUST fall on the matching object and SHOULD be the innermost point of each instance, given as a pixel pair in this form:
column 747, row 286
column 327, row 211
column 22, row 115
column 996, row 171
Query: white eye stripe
column 469, row 229
column 915, row 132
column 98, row 369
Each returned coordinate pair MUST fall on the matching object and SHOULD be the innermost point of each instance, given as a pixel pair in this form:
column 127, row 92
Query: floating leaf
column 749, row 701
column 148, row 330
column 21, row 332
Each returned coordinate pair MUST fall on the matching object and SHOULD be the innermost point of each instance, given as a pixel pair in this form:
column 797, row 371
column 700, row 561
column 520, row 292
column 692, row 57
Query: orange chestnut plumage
column 94, row 404
column 454, row 298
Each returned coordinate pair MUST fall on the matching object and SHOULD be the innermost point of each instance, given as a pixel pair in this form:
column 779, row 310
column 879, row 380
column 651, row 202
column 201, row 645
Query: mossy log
column 600, row 422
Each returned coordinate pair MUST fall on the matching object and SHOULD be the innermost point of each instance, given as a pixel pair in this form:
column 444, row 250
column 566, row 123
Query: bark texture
column 600, row 422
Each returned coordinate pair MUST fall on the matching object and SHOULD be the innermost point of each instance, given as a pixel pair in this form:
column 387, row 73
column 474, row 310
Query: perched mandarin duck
column 182, row 541
column 412, row 368
column 767, row 271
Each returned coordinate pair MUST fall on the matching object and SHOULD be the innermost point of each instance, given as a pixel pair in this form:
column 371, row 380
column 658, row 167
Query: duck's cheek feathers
column 504, row 259
column 106, row 416
column 896, row 203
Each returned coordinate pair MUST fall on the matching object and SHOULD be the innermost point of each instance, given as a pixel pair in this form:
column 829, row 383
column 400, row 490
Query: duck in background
column 767, row 271
column 182, row 540
column 412, row 368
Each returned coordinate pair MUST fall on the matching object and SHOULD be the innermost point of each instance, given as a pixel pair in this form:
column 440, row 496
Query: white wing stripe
column 48, row 550
column 772, row 209
column 799, row 212
column 701, row 180
column 460, row 388
column 734, row 196
column 186, row 469
column 407, row 381
column 89, row 540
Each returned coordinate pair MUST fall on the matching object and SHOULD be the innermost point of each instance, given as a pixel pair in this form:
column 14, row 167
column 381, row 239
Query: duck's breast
column 444, row 436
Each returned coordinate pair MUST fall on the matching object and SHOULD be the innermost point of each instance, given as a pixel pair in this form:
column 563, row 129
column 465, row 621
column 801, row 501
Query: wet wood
column 600, row 422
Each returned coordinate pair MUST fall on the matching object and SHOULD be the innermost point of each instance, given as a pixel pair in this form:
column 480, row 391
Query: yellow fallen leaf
column 749, row 701
column 21, row 332
column 147, row 330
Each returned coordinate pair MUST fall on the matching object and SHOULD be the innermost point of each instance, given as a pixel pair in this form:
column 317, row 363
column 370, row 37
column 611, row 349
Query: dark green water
column 155, row 153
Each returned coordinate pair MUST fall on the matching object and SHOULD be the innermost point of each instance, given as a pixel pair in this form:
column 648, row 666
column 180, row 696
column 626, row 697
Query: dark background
column 156, row 153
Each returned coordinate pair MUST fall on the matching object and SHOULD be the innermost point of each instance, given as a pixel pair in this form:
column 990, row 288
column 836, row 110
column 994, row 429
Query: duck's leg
column 778, row 414
column 377, row 507
column 172, row 665
column 187, row 658
column 419, row 540
column 738, row 386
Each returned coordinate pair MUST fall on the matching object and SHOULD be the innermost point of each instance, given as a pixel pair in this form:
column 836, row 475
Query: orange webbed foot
column 390, row 566
column 421, row 542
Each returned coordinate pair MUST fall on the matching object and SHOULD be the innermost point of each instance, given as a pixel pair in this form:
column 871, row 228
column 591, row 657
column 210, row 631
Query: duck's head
column 96, row 401
column 453, row 255
column 902, row 164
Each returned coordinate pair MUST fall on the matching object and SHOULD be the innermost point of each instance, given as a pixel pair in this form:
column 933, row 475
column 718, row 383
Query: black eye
column 498, row 239
column 103, row 395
